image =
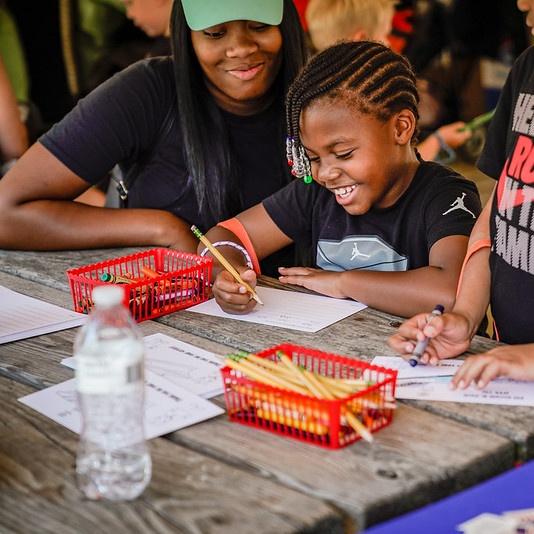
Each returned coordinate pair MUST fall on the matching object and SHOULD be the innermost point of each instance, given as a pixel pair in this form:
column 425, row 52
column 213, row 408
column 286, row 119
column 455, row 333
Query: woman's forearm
column 56, row 225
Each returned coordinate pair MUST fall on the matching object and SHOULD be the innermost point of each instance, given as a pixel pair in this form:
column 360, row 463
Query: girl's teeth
column 344, row 191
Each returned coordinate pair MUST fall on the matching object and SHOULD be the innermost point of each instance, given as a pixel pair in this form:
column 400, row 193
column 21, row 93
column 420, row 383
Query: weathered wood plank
column 48, row 268
column 418, row 459
column 188, row 492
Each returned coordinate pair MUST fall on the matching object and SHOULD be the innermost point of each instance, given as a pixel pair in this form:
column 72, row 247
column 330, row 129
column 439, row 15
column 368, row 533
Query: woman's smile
column 246, row 73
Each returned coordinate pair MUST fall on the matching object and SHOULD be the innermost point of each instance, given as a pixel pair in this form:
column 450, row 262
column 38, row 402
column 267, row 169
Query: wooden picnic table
column 219, row 476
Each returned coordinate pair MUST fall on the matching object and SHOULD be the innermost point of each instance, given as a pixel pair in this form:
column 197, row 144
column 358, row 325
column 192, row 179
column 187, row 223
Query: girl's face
column 240, row 61
column 364, row 162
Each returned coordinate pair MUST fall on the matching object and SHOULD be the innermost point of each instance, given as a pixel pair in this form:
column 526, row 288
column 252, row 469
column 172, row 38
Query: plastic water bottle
column 113, row 460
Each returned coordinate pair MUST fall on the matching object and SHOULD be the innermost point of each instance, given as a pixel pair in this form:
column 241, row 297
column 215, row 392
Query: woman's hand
column 231, row 296
column 324, row 282
column 449, row 336
column 511, row 361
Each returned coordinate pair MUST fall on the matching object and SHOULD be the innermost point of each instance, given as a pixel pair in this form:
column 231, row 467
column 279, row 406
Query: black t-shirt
column 438, row 203
column 508, row 157
column 121, row 122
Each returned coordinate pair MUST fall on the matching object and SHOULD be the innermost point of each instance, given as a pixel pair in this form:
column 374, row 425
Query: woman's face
column 240, row 61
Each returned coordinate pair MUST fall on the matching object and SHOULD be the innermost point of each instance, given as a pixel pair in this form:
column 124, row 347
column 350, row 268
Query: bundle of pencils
column 287, row 375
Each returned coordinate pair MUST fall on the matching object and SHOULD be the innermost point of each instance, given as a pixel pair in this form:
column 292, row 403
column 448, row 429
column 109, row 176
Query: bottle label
column 109, row 367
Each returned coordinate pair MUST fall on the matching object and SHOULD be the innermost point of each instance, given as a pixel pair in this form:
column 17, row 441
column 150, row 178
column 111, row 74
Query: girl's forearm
column 404, row 293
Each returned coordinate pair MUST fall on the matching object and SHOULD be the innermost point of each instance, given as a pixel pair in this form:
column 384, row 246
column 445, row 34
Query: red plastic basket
column 183, row 280
column 307, row 418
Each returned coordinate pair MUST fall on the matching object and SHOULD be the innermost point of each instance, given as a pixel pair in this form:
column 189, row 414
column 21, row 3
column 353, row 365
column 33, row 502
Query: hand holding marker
column 422, row 345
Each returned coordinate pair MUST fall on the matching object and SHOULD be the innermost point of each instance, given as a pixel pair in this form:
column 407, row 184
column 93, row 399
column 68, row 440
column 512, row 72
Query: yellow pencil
column 225, row 263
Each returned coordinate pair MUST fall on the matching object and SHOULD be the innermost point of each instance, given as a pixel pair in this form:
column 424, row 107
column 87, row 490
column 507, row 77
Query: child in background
column 387, row 229
column 151, row 16
column 331, row 21
column 13, row 133
column 504, row 273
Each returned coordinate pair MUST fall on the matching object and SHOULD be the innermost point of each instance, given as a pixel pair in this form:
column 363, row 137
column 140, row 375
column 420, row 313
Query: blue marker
column 421, row 345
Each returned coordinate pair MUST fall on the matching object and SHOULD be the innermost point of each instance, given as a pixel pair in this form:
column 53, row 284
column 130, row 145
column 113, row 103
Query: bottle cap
column 107, row 296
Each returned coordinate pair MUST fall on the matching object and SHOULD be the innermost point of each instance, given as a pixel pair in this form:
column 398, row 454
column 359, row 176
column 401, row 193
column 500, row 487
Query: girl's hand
column 511, row 361
column 231, row 296
column 449, row 336
column 318, row 280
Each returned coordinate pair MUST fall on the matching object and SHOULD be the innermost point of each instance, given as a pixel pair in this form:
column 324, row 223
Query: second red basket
column 322, row 422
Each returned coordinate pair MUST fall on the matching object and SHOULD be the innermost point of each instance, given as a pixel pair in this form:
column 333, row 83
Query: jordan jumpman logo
column 458, row 204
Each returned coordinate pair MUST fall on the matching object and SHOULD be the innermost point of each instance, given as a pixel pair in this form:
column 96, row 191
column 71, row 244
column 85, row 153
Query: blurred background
column 56, row 51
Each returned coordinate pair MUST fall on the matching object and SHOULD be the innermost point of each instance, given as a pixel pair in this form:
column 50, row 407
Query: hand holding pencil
column 234, row 290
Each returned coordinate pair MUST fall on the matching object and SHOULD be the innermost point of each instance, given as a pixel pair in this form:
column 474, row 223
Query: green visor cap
column 201, row 14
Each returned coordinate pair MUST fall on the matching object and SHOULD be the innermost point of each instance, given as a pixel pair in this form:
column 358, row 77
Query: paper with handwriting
column 185, row 365
column 168, row 407
column 289, row 309
column 22, row 316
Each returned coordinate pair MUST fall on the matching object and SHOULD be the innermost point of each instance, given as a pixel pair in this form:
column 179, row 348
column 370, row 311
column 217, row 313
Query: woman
column 198, row 136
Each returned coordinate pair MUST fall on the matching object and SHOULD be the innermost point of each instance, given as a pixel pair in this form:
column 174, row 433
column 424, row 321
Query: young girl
column 198, row 135
column 385, row 228
column 500, row 270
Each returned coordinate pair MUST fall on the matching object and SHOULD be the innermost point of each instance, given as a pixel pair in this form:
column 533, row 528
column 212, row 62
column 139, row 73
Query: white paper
column 488, row 523
column 22, row 316
column 185, row 365
column 405, row 370
column 289, row 309
column 168, row 407
column 501, row 391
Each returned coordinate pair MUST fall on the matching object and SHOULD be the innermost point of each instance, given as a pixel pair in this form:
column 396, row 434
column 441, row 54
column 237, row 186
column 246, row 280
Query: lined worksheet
column 168, row 407
column 22, row 316
column 289, row 309
column 185, row 365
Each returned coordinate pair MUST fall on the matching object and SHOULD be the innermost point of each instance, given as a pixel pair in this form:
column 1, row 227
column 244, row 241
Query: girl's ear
column 405, row 124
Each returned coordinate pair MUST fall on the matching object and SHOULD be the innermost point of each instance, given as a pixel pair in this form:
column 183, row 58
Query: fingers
column 479, row 370
column 295, row 271
column 231, row 296
column 409, row 333
column 297, row 276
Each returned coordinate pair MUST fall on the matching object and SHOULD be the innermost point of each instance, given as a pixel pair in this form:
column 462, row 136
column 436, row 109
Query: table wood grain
column 419, row 458
column 189, row 492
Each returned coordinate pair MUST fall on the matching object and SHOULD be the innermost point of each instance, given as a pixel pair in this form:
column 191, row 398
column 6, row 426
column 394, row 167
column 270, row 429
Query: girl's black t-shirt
column 438, row 203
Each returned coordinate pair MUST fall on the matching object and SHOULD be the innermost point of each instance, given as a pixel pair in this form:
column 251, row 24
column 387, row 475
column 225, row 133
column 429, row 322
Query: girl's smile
column 344, row 195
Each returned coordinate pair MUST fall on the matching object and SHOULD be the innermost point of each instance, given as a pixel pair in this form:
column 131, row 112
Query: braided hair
column 368, row 75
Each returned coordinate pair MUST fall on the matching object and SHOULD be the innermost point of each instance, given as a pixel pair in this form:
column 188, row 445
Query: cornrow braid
column 369, row 75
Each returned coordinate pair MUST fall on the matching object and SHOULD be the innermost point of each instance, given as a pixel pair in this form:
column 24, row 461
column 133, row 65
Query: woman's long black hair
column 206, row 147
